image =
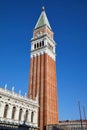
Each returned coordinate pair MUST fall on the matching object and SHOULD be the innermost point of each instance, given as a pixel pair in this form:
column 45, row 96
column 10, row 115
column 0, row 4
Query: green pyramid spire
column 43, row 20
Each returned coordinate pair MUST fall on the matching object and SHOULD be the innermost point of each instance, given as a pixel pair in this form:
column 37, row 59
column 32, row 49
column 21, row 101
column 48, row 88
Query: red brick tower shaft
column 42, row 80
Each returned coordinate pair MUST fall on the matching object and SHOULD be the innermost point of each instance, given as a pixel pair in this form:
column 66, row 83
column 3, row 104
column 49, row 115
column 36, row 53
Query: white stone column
column 16, row 115
column 9, row 112
column 23, row 114
column 2, row 107
column 29, row 116
column 35, row 118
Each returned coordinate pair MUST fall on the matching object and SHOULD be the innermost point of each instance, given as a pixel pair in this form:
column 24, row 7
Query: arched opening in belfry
column 32, row 117
column 34, row 46
column 37, row 45
column 40, row 44
column 26, row 116
column 6, row 110
column 13, row 112
column 20, row 114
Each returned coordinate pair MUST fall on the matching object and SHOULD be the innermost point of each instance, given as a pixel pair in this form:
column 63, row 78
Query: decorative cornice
column 41, row 51
column 19, row 98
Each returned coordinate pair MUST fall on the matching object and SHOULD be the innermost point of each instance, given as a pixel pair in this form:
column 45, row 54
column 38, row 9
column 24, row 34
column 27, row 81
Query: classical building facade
column 73, row 124
column 42, row 80
column 16, row 110
column 69, row 125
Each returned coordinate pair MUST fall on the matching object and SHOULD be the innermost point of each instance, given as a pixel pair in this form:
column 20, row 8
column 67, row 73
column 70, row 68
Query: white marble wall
column 19, row 102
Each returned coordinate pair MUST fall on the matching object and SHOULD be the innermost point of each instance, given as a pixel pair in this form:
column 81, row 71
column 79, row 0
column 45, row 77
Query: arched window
column 26, row 115
column 40, row 44
column 5, row 111
column 20, row 113
column 34, row 46
column 32, row 116
column 13, row 112
column 37, row 45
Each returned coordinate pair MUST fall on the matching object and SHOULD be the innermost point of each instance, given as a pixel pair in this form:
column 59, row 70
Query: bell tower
column 42, row 80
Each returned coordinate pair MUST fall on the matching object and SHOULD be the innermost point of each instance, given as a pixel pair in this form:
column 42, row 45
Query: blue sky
column 68, row 19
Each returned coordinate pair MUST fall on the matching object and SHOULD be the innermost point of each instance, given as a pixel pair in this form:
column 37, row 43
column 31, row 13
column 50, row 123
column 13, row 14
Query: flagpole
column 84, row 112
column 80, row 113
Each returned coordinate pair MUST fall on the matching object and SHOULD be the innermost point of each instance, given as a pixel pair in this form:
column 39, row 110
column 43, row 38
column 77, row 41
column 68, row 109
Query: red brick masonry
column 43, row 82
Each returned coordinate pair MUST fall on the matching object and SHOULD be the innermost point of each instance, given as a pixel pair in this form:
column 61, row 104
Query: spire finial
column 42, row 8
